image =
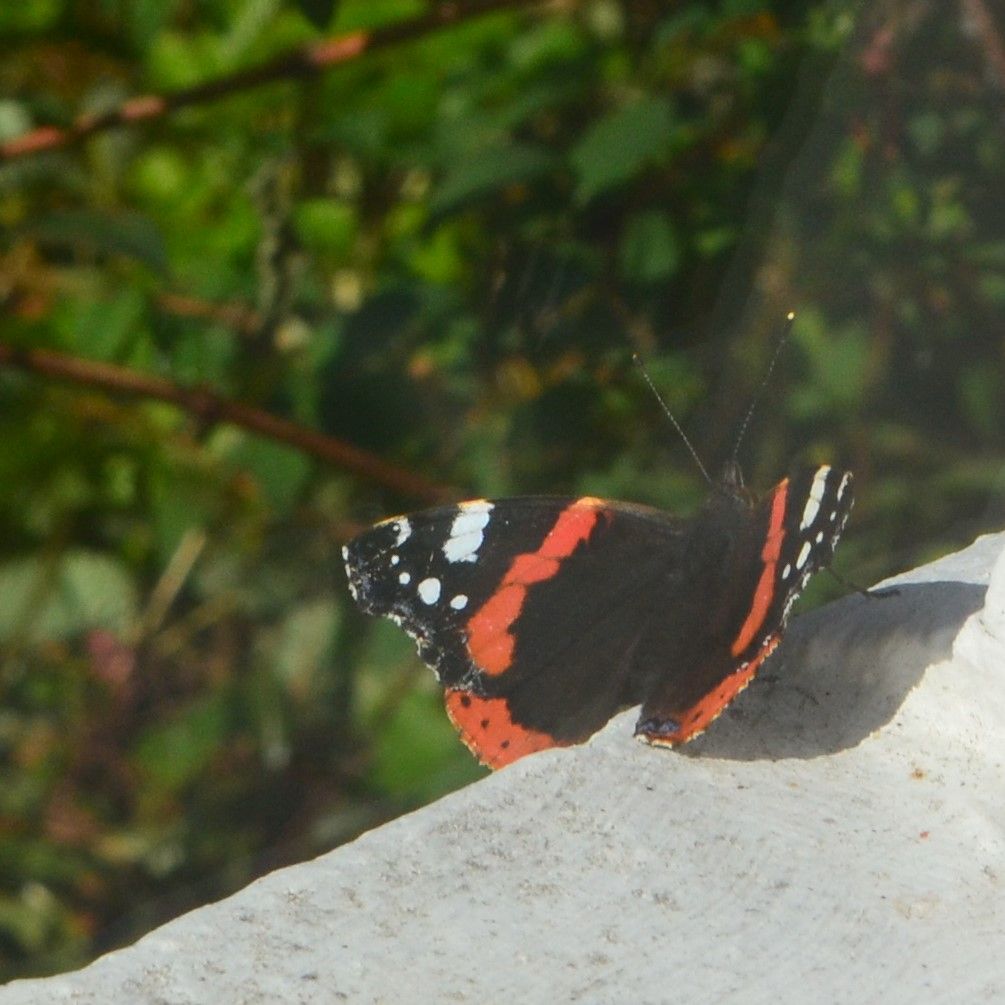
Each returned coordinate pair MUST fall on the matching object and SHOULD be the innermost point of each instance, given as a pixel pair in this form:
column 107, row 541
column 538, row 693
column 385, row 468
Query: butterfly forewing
column 531, row 602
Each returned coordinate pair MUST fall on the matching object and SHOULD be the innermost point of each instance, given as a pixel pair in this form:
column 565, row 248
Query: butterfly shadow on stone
column 841, row 673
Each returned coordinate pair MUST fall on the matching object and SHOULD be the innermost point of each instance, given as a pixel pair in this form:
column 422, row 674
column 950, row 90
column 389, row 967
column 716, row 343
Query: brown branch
column 213, row 408
column 240, row 317
column 306, row 61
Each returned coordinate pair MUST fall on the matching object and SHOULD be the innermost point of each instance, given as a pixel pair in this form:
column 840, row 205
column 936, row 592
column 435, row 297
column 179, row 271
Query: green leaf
column 650, row 248
column 125, row 233
column 949, row 218
column 847, row 170
column 714, row 241
column 60, row 599
column 318, row 12
column 175, row 753
column 279, row 470
column 980, row 397
column 484, row 173
column 927, row 130
column 439, row 259
column 176, row 506
column 305, row 644
column 145, row 18
column 838, row 358
column 621, row 145
column 29, row 17
column 419, row 726
column 102, row 329
column 326, row 225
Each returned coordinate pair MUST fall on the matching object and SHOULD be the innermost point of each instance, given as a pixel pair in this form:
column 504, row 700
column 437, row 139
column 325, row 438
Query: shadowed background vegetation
column 433, row 260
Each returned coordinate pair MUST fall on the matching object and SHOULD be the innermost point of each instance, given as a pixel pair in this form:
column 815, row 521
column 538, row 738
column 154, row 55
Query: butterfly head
column 731, row 479
column 730, row 485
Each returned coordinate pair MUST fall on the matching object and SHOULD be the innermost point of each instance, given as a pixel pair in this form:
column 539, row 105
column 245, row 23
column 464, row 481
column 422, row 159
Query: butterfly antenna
column 637, row 359
column 759, row 393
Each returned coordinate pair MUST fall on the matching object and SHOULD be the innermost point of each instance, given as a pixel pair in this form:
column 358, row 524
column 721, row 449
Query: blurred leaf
column 173, row 754
column 62, row 598
column 14, row 119
column 981, row 395
column 126, row 233
column 102, row 329
column 486, row 172
column 318, row 12
column 29, row 17
column 550, row 43
column 305, row 644
column 326, row 225
column 838, row 360
column 203, row 358
column 31, row 918
column 280, row 471
column 419, row 726
column 145, row 18
column 439, row 258
column 650, row 249
column 712, row 242
column 927, row 131
column 949, row 218
column 846, row 171
column 176, row 506
column 620, row 145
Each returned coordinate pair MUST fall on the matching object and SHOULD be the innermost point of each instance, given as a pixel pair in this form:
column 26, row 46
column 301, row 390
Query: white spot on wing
column 404, row 578
column 345, row 553
column 467, row 531
column 403, row 529
column 429, row 590
column 787, row 571
column 804, row 553
column 395, row 560
column 812, row 506
column 459, row 602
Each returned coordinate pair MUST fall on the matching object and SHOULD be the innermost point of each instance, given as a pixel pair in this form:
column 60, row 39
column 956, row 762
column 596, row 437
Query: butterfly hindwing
column 787, row 537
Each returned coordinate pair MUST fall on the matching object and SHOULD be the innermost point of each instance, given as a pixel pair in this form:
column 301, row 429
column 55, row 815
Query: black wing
column 537, row 604
column 749, row 565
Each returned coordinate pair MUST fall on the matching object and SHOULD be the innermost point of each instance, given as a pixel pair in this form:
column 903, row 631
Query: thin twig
column 306, row 61
column 212, row 408
column 243, row 319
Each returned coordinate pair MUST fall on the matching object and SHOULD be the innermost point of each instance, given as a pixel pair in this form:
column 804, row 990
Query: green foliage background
column 443, row 252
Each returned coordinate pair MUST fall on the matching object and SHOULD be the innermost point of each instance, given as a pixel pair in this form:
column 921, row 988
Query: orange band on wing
column 698, row 717
column 489, row 732
column 765, row 591
column 489, row 640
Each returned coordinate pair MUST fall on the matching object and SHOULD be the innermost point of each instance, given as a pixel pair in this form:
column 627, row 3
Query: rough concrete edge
column 981, row 630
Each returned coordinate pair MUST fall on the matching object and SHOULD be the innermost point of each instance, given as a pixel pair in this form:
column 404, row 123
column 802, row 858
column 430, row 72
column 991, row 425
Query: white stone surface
column 838, row 836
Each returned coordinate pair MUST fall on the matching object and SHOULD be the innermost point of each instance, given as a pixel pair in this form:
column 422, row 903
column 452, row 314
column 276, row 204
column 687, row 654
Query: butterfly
column 544, row 616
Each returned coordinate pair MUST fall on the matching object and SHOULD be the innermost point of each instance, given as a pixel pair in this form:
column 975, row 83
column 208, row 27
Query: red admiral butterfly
column 543, row 617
